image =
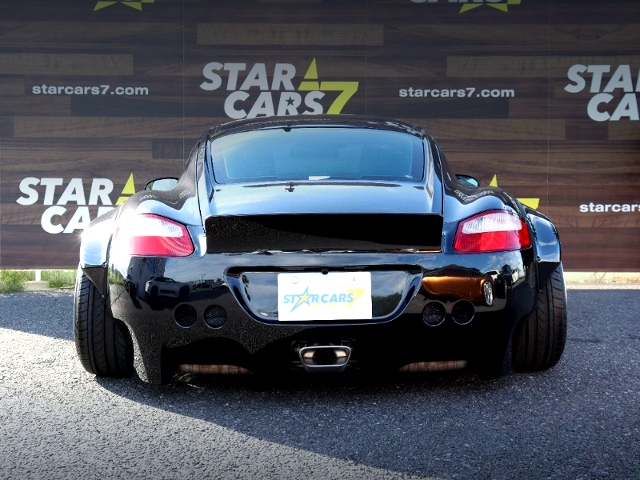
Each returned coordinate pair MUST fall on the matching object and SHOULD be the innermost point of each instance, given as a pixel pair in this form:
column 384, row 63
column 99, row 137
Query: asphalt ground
column 579, row 420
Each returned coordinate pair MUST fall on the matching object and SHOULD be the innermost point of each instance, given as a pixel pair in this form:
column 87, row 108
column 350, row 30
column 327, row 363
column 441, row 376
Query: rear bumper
column 255, row 343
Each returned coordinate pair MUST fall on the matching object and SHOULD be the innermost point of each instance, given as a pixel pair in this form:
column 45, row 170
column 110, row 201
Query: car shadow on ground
column 447, row 424
column 406, row 423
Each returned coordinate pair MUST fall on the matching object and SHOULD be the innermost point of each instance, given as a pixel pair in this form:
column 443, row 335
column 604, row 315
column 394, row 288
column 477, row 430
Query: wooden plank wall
column 541, row 143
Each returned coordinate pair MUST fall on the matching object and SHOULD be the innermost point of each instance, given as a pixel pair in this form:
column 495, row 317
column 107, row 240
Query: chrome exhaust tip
column 325, row 358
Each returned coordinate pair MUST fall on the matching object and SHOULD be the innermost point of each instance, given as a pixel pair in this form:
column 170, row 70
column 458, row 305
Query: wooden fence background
column 539, row 143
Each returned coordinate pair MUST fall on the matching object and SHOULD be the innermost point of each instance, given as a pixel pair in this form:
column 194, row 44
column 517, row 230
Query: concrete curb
column 601, row 277
column 603, row 286
column 36, row 285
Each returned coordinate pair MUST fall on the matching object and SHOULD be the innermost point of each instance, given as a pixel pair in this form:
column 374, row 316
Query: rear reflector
column 152, row 235
column 493, row 231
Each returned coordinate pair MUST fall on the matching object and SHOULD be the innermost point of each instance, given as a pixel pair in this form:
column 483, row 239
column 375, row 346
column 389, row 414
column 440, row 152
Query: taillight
column 493, row 231
column 152, row 235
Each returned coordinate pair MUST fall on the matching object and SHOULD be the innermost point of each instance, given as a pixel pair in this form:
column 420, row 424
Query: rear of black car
column 322, row 247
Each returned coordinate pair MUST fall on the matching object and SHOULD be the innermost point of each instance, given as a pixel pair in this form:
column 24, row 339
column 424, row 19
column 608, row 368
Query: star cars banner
column 538, row 98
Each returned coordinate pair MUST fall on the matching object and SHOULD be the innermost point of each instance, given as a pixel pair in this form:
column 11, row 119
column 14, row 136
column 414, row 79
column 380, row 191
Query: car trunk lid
column 327, row 216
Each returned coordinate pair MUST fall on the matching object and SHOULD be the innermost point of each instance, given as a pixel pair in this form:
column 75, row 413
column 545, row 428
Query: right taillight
column 493, row 231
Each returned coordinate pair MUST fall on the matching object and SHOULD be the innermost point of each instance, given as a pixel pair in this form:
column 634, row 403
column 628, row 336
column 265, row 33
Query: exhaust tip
column 325, row 358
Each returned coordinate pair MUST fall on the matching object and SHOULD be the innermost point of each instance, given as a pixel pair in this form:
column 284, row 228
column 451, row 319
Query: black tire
column 103, row 343
column 538, row 342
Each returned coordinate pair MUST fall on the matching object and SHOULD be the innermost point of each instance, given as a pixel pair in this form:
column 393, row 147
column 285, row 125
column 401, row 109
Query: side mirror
column 161, row 184
column 468, row 181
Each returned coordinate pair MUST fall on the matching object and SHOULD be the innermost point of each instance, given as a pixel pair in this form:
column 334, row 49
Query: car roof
column 347, row 121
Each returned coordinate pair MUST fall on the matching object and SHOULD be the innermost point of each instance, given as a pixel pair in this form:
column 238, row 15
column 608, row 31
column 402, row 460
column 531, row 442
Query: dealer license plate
column 330, row 296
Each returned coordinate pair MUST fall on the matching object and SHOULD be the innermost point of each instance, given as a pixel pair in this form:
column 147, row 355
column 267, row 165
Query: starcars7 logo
column 255, row 91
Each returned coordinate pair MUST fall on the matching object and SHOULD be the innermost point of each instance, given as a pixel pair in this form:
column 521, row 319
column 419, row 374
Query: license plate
column 330, row 296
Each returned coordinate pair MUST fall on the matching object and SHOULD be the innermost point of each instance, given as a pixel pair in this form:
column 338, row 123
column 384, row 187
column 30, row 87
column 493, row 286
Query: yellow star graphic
column 310, row 83
column 529, row 202
column 304, row 298
column 137, row 5
column 128, row 190
column 503, row 7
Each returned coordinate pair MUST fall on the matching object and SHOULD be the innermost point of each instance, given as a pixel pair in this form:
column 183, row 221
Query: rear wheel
column 102, row 342
column 538, row 342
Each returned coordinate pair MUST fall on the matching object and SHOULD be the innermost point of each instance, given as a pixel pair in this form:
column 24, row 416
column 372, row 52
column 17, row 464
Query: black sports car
column 320, row 243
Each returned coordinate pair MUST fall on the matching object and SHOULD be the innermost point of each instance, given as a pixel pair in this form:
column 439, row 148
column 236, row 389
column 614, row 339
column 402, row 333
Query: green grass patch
column 59, row 278
column 14, row 280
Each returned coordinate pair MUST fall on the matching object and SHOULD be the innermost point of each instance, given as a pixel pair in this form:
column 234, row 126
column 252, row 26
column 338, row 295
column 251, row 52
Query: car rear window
column 317, row 153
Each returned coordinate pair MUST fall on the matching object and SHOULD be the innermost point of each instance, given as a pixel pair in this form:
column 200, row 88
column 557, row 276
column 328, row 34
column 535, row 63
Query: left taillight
column 152, row 236
column 492, row 231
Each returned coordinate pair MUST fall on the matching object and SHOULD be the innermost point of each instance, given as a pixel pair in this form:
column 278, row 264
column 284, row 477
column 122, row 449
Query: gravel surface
column 579, row 420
